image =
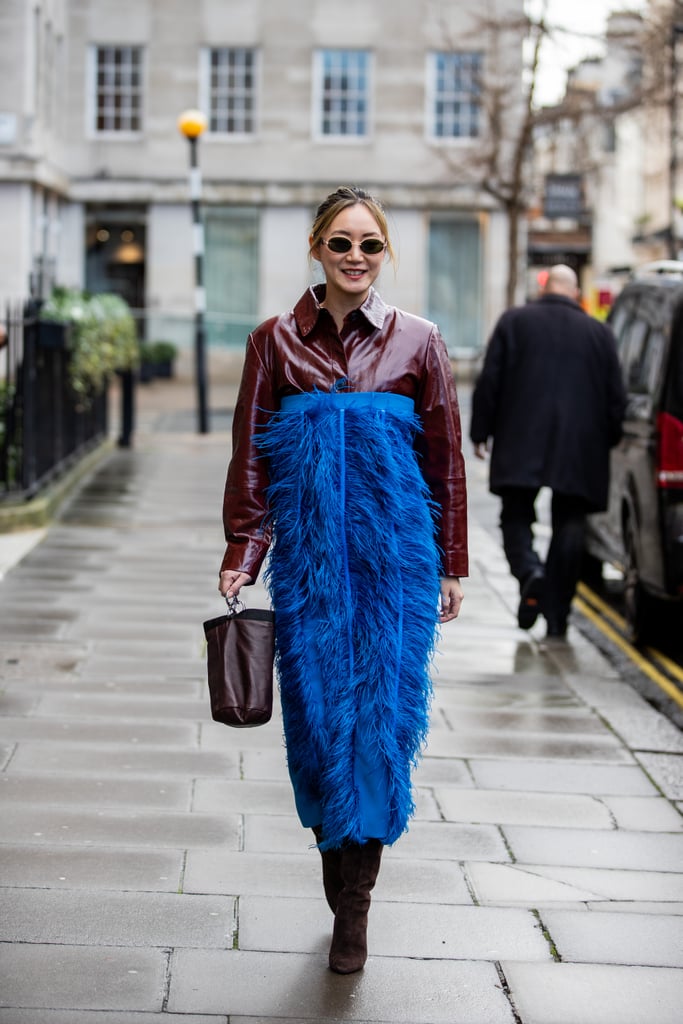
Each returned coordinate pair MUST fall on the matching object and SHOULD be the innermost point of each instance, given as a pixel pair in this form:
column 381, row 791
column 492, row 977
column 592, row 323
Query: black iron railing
column 44, row 426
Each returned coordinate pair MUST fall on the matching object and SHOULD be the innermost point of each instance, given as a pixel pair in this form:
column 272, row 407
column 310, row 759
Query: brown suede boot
column 359, row 870
column 333, row 883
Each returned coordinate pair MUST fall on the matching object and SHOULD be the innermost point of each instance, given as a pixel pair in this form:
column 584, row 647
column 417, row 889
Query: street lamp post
column 191, row 124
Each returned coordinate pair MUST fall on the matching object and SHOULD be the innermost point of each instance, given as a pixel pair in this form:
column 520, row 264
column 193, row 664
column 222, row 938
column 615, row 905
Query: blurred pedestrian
column 551, row 399
column 347, row 452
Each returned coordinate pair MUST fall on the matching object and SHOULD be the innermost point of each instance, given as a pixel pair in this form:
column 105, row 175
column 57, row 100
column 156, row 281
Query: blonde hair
column 341, row 199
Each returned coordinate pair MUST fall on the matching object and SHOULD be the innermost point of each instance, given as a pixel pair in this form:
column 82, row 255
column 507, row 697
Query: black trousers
column 563, row 564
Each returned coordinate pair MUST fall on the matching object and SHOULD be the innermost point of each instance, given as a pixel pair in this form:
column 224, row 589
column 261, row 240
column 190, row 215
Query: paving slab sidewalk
column 151, row 863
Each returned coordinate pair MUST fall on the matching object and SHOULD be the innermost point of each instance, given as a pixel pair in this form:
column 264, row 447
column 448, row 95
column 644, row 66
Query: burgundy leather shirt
column 380, row 348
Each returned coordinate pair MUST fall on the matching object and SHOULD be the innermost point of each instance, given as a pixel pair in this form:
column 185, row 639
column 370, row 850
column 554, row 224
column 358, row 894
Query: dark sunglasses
column 370, row 246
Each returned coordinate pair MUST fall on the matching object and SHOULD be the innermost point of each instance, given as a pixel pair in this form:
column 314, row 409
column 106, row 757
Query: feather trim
column 353, row 529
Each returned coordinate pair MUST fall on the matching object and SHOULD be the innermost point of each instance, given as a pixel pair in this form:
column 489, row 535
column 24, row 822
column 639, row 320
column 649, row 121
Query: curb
column 39, row 511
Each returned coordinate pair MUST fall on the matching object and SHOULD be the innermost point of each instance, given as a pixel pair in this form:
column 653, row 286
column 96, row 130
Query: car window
column 621, row 317
column 648, row 326
column 632, row 354
column 651, row 370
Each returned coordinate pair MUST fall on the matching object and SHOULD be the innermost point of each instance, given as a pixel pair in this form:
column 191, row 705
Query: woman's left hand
column 231, row 582
column 451, row 598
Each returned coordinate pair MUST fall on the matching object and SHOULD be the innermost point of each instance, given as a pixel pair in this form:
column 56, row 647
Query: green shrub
column 103, row 334
column 163, row 351
column 9, row 471
column 146, row 352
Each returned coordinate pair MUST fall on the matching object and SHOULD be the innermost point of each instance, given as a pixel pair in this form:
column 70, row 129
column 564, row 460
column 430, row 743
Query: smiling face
column 349, row 275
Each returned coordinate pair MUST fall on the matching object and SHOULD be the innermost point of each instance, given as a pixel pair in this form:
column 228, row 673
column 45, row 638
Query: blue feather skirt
column 353, row 576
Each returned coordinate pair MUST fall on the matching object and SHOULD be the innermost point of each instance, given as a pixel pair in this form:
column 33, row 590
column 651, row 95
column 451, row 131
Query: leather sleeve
column 439, row 447
column 245, row 505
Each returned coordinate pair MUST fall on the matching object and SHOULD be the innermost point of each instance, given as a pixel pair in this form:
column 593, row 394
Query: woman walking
column 347, row 457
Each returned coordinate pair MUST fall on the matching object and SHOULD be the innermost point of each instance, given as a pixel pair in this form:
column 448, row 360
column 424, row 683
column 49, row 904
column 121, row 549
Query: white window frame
column 433, row 96
column 318, row 95
column 92, row 106
column 205, row 92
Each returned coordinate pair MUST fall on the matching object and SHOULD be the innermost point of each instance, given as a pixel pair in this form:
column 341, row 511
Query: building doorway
column 115, row 254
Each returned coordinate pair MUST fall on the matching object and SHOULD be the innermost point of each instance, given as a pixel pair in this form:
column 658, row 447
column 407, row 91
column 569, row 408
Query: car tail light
column 669, row 451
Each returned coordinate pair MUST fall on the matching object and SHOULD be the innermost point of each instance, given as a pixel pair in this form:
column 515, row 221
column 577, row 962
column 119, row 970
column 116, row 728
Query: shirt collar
column 307, row 309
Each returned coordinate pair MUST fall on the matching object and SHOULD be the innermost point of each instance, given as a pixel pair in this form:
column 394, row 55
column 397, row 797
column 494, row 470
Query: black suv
column 642, row 531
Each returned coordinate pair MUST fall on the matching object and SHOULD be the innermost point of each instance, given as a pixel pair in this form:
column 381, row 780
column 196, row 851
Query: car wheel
column 640, row 608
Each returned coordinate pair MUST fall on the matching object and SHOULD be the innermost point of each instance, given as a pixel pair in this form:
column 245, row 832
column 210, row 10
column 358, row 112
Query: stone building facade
column 300, row 98
column 615, row 141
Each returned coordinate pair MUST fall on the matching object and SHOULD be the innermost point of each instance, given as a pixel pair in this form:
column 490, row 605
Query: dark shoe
column 333, row 883
column 359, row 868
column 531, row 598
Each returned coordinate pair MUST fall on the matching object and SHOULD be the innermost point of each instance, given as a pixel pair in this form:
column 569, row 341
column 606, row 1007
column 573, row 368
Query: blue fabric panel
column 353, row 531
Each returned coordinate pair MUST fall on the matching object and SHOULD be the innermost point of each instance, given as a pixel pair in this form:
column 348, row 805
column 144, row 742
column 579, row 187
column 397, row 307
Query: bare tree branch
column 499, row 164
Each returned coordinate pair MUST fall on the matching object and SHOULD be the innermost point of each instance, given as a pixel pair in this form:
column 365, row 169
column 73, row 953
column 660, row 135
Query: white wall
column 283, row 258
column 406, row 288
column 15, row 250
column 169, row 270
column 70, row 257
column 495, row 270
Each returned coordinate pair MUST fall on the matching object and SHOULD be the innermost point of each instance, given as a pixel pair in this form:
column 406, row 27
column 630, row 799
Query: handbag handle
column 235, row 605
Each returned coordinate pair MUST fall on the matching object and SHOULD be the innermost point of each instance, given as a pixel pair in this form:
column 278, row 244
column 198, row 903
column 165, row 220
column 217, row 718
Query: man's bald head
column 562, row 281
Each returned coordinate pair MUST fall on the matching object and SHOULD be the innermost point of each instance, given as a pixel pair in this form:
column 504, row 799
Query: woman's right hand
column 231, row 582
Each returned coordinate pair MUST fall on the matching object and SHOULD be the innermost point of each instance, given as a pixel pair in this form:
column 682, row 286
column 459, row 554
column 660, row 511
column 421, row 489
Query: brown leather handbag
column 240, row 653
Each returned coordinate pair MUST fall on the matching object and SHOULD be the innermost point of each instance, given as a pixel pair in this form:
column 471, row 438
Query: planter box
column 154, row 371
column 53, row 334
column 146, row 372
column 163, row 369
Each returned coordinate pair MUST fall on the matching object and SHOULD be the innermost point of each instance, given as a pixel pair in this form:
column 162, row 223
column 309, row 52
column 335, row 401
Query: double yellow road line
column 613, row 626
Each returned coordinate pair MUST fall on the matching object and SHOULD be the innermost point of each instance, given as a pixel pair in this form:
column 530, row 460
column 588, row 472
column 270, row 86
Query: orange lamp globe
column 192, row 123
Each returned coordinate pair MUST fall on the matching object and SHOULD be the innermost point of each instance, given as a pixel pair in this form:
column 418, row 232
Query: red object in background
column 605, row 297
column 669, row 451
column 542, row 278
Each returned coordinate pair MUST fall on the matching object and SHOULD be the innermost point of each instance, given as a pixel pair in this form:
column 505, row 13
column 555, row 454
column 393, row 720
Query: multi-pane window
column 118, row 88
column 456, row 105
column 343, row 78
column 232, row 90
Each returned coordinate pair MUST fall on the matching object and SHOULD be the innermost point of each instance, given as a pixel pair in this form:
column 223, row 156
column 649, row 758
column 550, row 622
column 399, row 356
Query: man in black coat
column 551, row 398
